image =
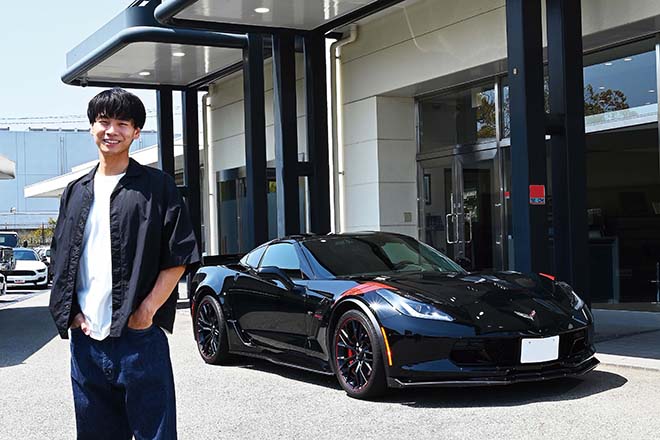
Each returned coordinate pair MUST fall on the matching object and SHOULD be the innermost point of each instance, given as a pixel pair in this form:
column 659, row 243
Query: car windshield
column 377, row 254
column 10, row 240
column 25, row 255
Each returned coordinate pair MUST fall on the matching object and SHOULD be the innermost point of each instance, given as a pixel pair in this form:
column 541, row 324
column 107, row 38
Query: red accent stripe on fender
column 550, row 277
column 364, row 288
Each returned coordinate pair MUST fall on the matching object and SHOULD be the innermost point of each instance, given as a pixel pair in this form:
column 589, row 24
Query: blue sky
column 35, row 38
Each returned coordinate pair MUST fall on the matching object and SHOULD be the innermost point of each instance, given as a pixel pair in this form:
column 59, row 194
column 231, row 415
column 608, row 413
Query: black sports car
column 379, row 309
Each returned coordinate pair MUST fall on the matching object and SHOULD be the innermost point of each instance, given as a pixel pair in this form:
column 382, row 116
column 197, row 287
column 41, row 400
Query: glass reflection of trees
column 603, row 101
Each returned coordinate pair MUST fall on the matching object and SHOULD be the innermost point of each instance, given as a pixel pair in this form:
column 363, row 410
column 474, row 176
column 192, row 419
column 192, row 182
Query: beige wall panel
column 479, row 40
column 363, row 205
column 361, row 163
column 434, row 38
column 229, row 153
column 598, row 15
column 396, row 199
column 396, row 118
column 420, row 18
column 227, row 121
column 360, row 121
column 396, row 161
column 226, row 92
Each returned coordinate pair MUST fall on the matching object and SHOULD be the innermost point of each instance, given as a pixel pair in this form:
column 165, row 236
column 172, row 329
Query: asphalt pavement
column 258, row 400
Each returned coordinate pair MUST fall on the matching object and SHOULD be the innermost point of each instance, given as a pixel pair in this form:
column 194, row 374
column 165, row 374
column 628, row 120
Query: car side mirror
column 275, row 273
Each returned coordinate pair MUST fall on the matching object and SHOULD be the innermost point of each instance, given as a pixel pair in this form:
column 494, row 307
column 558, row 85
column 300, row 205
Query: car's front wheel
column 210, row 331
column 357, row 356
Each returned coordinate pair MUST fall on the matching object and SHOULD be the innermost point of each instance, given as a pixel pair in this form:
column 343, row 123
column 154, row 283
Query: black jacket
column 150, row 231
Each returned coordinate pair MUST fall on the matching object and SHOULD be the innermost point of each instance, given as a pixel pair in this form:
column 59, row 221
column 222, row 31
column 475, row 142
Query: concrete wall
column 442, row 37
column 379, row 165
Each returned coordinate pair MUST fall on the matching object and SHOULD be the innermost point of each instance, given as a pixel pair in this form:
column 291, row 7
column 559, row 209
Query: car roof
column 312, row 237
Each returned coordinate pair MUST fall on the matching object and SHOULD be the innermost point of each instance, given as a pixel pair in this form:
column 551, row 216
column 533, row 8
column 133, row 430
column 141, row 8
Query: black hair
column 117, row 103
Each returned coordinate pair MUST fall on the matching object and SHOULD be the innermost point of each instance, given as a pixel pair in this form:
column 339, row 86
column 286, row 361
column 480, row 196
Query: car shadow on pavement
column 592, row 383
column 24, row 331
column 564, row 389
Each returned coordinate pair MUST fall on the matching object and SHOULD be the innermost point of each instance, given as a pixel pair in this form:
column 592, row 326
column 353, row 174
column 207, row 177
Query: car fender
column 362, row 305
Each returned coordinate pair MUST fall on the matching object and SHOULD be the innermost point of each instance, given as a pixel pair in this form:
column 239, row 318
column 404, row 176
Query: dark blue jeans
column 123, row 386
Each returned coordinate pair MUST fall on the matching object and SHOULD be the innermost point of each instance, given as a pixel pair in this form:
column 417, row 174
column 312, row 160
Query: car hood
column 489, row 301
column 29, row 265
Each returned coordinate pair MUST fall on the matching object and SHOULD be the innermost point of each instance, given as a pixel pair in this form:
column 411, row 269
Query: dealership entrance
column 464, row 175
column 462, row 209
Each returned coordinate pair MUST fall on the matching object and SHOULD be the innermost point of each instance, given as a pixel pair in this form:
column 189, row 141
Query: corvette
column 383, row 310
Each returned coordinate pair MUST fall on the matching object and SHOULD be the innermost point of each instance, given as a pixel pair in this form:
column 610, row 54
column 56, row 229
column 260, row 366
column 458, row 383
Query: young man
column 122, row 242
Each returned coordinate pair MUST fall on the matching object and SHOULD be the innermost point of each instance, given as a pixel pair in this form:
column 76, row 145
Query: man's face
column 114, row 136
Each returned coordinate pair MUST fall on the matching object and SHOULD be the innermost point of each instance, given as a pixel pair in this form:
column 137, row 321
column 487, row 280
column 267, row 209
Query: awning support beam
column 286, row 134
column 569, row 182
column 528, row 152
column 317, row 132
column 255, row 142
column 165, row 130
column 191, row 159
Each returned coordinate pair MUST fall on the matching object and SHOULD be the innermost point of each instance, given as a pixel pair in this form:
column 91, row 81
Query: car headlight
column 41, row 270
column 576, row 301
column 413, row 308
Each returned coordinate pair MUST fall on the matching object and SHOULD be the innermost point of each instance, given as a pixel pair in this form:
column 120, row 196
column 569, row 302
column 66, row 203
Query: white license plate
column 19, row 281
column 539, row 350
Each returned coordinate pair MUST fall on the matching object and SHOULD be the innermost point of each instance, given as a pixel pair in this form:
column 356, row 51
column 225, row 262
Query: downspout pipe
column 212, row 237
column 339, row 223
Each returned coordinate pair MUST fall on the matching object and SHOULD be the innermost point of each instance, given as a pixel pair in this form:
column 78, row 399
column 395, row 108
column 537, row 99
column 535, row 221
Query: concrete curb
column 629, row 362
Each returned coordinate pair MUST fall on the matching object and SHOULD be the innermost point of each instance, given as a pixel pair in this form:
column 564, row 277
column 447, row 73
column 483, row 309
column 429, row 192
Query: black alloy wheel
column 210, row 331
column 357, row 356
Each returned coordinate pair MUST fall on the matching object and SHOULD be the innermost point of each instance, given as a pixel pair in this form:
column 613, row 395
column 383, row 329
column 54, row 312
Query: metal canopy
column 267, row 15
column 135, row 50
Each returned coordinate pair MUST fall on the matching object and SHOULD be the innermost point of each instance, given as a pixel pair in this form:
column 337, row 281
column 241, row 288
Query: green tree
column 604, row 101
column 41, row 236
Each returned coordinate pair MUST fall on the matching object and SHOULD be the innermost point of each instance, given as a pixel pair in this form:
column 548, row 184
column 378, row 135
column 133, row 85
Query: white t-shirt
column 94, row 282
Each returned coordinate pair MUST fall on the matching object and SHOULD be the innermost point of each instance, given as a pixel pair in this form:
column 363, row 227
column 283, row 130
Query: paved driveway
column 258, row 400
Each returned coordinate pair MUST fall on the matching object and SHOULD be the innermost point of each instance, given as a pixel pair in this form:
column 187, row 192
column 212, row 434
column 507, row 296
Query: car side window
column 284, row 256
column 254, row 256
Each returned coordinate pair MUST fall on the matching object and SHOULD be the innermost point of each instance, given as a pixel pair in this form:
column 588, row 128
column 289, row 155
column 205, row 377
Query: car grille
column 23, row 273
column 506, row 351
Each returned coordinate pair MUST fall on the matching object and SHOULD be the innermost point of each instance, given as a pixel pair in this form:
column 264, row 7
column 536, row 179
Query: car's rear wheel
column 211, row 331
column 357, row 356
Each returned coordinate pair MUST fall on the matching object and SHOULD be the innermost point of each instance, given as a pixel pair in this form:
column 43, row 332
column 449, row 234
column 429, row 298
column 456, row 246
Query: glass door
column 462, row 208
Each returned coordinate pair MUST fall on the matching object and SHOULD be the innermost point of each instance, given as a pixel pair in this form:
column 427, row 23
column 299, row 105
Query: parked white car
column 29, row 269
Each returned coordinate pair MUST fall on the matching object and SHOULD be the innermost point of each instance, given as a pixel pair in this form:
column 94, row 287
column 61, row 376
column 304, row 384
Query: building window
column 461, row 117
column 620, row 87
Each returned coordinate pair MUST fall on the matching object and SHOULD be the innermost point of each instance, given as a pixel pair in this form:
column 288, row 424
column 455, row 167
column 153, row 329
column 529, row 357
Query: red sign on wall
column 537, row 194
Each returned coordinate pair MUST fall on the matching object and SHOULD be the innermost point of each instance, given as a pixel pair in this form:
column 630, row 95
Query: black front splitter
column 506, row 379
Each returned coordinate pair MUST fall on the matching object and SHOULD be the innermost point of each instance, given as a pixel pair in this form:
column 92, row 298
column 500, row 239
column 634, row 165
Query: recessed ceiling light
column 262, row 10
column 144, row 73
column 651, row 91
column 627, row 59
column 608, row 63
column 178, row 54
